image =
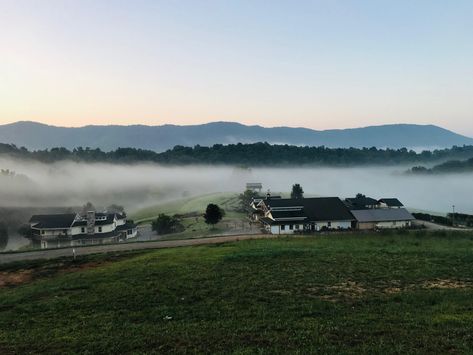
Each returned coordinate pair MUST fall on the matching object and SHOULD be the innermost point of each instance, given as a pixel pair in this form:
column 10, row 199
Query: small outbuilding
column 382, row 218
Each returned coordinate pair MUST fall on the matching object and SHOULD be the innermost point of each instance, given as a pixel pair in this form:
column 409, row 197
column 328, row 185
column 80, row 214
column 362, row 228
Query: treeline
column 451, row 166
column 255, row 154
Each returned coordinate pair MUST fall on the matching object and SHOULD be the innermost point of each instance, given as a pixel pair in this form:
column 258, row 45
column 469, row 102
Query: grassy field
column 197, row 204
column 191, row 210
column 328, row 294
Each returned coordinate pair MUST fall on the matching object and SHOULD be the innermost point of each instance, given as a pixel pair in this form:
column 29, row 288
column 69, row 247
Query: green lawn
column 191, row 210
column 327, row 294
column 197, row 204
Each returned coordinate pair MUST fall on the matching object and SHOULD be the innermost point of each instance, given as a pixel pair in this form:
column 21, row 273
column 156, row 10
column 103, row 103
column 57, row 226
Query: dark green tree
column 3, row 236
column 213, row 214
column 165, row 224
column 297, row 191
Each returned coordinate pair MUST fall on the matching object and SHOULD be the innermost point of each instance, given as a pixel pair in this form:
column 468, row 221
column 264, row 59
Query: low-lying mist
column 136, row 186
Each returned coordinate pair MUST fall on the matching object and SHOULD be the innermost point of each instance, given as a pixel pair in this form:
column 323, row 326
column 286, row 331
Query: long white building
column 70, row 229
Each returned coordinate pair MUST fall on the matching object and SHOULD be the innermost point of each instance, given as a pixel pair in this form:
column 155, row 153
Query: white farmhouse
column 70, row 229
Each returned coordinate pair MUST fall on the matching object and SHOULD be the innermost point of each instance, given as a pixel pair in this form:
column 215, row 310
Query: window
column 297, row 226
column 129, row 231
column 291, row 227
column 43, row 231
column 100, row 229
column 82, row 230
column 283, row 227
column 329, row 224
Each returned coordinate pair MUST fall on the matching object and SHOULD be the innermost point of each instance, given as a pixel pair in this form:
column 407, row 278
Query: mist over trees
column 451, row 166
column 255, row 154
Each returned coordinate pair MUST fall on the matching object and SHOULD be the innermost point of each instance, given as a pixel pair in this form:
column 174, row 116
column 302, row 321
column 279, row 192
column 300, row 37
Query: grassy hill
column 327, row 294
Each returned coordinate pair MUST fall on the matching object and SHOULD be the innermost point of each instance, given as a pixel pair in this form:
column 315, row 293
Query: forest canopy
column 255, row 154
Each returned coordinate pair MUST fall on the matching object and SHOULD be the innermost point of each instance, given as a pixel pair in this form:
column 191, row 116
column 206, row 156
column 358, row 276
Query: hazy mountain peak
column 34, row 135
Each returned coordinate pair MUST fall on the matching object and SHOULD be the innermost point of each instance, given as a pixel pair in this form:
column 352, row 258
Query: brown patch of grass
column 344, row 290
column 8, row 279
column 447, row 284
column 23, row 276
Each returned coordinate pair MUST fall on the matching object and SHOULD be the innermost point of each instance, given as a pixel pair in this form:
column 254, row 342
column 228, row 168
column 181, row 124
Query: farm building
column 382, row 218
column 286, row 216
column 70, row 229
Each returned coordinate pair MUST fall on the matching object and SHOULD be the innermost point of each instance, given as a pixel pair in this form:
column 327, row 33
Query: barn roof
column 314, row 208
column 382, row 215
column 361, row 202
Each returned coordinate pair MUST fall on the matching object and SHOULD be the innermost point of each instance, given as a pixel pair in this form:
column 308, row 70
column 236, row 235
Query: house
column 382, row 218
column 70, row 229
column 286, row 216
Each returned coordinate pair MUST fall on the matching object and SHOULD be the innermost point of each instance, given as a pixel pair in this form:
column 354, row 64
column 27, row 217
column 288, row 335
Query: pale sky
column 317, row 64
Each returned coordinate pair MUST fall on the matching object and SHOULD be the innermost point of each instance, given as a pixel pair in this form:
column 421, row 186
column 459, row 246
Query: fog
column 137, row 186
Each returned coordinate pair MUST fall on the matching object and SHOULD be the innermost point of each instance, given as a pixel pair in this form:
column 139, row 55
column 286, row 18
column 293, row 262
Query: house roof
column 281, row 215
column 53, row 221
column 315, row 208
column 363, row 201
column 326, row 209
column 127, row 225
column 391, row 202
column 382, row 215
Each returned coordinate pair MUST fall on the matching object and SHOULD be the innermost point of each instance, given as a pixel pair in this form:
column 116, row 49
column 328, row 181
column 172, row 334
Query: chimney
column 90, row 222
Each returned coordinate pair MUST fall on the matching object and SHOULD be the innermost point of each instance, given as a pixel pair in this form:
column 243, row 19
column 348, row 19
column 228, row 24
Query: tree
column 297, row 191
column 3, row 236
column 213, row 214
column 245, row 199
column 165, row 224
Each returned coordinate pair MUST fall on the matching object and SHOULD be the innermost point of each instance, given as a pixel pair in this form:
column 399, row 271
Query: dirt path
column 57, row 253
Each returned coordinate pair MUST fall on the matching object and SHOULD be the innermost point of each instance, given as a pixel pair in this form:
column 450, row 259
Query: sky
column 317, row 64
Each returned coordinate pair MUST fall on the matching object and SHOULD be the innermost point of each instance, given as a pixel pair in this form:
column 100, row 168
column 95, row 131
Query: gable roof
column 391, row 202
column 314, row 208
column 289, row 215
column 53, row 221
column 361, row 202
column 326, row 209
column 382, row 215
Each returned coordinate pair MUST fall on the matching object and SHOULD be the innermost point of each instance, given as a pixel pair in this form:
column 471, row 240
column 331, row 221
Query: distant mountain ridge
column 33, row 135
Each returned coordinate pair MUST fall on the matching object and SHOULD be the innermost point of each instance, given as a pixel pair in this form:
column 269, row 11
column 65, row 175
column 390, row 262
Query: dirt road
column 94, row 249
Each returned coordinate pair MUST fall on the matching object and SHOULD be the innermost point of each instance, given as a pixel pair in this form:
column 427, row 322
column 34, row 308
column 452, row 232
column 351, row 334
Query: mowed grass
column 323, row 294
column 196, row 204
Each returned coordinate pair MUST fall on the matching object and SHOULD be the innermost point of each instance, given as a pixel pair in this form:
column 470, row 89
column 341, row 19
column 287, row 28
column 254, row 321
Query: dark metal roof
column 361, row 202
column 382, row 215
column 53, row 221
column 391, row 202
column 288, row 214
column 109, row 220
column 127, row 225
column 316, row 208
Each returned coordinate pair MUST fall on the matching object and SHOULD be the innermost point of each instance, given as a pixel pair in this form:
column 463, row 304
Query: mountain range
column 33, row 135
